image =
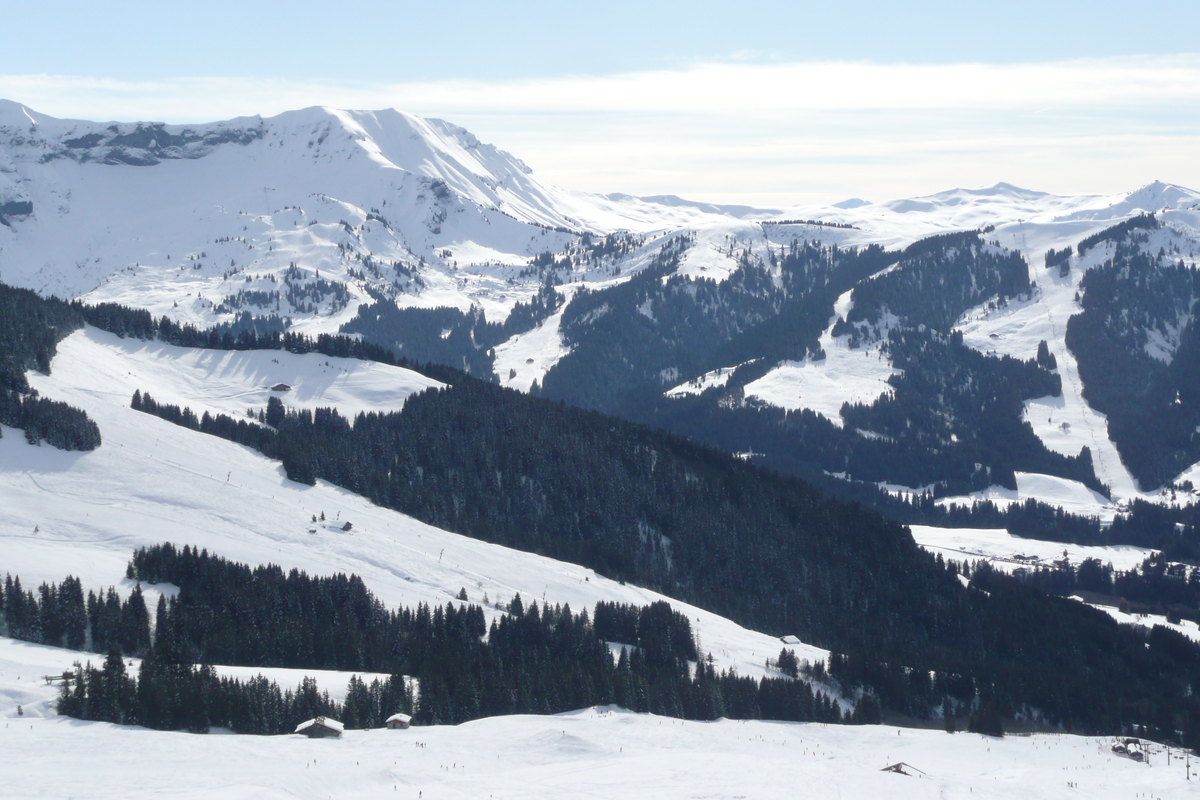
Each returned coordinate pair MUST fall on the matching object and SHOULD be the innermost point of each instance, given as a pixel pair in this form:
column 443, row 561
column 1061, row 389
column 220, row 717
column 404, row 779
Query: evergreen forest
column 529, row 660
column 764, row 549
column 1138, row 350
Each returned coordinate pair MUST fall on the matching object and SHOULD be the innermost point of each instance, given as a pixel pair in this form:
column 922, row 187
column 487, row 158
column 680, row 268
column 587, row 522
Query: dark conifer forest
column 1067, row 666
column 763, row 549
column 30, row 330
column 529, row 660
column 1139, row 352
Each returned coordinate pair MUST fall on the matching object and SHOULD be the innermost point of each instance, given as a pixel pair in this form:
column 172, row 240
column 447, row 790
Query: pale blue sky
column 406, row 41
column 749, row 102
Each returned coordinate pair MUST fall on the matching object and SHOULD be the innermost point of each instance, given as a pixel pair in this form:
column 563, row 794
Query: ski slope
column 595, row 753
column 152, row 481
column 845, row 375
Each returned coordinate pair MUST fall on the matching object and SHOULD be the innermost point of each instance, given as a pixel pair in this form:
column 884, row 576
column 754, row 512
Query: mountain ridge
column 319, row 216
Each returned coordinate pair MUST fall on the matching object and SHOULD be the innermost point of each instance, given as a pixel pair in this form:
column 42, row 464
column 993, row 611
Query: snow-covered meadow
column 591, row 753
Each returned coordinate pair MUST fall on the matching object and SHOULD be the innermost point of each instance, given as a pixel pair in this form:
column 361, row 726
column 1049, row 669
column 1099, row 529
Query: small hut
column 398, row 722
column 320, row 728
column 281, row 387
column 346, row 526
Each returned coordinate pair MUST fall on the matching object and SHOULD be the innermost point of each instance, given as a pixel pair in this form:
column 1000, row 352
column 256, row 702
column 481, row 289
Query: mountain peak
column 1157, row 195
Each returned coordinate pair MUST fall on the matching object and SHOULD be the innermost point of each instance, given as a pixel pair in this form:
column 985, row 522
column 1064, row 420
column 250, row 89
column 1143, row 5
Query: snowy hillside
column 152, row 481
column 176, row 218
column 593, row 753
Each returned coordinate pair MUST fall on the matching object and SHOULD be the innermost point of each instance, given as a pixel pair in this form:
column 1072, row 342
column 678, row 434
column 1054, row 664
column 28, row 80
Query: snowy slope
column 112, row 211
column 1031, row 222
column 152, row 481
column 1067, row 423
column 597, row 753
column 843, row 376
column 231, row 381
column 1007, row 552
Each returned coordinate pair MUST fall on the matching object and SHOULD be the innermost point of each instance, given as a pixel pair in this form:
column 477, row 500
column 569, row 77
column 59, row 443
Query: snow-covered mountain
column 753, row 325
column 335, row 219
column 186, row 214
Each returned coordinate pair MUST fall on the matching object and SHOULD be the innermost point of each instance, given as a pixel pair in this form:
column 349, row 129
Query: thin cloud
column 747, row 132
column 704, row 88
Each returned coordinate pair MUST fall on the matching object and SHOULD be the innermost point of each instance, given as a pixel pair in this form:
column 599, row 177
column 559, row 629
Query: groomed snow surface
column 598, row 753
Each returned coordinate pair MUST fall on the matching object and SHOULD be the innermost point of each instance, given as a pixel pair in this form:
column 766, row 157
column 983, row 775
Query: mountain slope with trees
column 1138, row 347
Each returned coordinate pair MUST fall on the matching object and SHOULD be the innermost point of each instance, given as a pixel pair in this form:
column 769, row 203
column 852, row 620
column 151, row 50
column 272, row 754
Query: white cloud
column 772, row 133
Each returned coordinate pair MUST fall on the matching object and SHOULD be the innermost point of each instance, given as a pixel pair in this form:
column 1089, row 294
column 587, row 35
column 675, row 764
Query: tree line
column 529, row 660
column 30, row 329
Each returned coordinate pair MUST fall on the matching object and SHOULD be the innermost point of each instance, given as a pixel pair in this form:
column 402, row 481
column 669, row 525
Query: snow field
column 231, row 381
column 1069, row 495
column 714, row 255
column 714, row 378
column 844, row 376
column 999, row 547
column 592, row 753
column 1186, row 626
column 534, row 353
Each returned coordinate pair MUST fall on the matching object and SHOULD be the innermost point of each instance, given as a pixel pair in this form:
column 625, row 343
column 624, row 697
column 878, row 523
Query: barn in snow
column 320, row 728
column 398, row 721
